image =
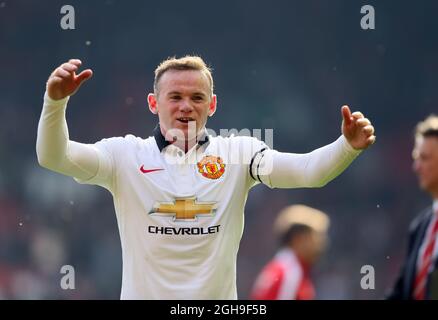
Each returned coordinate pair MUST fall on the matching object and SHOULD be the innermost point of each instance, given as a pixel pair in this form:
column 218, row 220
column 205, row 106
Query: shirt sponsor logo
column 185, row 209
column 182, row 210
column 183, row 231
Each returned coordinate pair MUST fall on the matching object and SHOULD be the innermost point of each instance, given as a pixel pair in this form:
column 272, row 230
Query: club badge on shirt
column 211, row 167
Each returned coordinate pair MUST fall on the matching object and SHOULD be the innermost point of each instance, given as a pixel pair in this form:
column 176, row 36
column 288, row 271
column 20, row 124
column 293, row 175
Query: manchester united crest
column 211, row 167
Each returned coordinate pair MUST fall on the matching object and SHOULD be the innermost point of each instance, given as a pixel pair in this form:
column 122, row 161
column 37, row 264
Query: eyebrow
column 194, row 94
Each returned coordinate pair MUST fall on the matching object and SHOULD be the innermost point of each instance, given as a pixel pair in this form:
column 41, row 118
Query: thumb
column 346, row 115
column 83, row 76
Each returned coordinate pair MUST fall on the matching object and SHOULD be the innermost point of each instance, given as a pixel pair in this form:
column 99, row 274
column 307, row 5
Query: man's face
column 425, row 164
column 311, row 246
column 182, row 97
column 317, row 245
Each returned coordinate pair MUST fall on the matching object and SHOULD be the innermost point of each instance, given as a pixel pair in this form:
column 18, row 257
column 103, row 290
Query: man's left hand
column 357, row 129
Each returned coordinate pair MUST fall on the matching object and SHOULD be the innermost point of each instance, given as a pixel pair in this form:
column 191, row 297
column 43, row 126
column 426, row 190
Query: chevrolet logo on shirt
column 185, row 209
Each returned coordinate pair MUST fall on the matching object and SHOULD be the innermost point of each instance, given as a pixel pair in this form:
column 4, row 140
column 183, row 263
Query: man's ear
column 152, row 101
column 212, row 106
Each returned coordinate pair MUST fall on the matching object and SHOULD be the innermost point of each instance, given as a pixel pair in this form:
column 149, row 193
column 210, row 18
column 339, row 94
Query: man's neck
column 186, row 144
column 301, row 258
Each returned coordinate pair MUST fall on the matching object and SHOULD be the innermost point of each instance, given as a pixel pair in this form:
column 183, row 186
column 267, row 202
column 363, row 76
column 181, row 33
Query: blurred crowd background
column 285, row 65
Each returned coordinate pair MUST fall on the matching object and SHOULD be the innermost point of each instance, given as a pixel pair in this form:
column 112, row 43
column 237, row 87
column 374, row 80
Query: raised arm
column 317, row 168
column 54, row 149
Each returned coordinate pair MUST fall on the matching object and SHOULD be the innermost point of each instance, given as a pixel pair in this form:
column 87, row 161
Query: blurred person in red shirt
column 302, row 232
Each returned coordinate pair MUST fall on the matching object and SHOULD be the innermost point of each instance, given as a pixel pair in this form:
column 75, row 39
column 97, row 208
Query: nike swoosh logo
column 142, row 169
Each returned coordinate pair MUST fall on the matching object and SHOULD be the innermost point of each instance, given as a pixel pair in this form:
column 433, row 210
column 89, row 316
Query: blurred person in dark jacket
column 418, row 279
column 302, row 232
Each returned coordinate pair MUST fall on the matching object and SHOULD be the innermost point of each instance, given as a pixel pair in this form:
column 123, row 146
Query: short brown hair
column 427, row 127
column 185, row 63
column 300, row 214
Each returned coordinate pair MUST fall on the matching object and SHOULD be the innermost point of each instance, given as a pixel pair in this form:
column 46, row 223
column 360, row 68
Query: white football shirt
column 180, row 216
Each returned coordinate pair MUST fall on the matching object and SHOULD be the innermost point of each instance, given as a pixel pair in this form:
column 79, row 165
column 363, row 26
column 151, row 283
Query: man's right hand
column 64, row 82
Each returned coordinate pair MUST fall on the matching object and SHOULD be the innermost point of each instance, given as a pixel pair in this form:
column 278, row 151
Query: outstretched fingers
column 70, row 67
column 84, row 75
column 76, row 62
column 61, row 73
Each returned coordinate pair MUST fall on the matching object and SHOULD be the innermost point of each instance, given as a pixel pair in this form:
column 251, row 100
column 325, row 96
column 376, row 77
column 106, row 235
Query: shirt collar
column 163, row 143
column 435, row 207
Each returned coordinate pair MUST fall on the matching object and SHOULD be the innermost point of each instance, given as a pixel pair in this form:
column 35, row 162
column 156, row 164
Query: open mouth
column 185, row 119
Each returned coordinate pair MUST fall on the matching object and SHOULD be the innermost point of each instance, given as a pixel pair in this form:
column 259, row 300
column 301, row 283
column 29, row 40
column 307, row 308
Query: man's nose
column 185, row 106
column 415, row 166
